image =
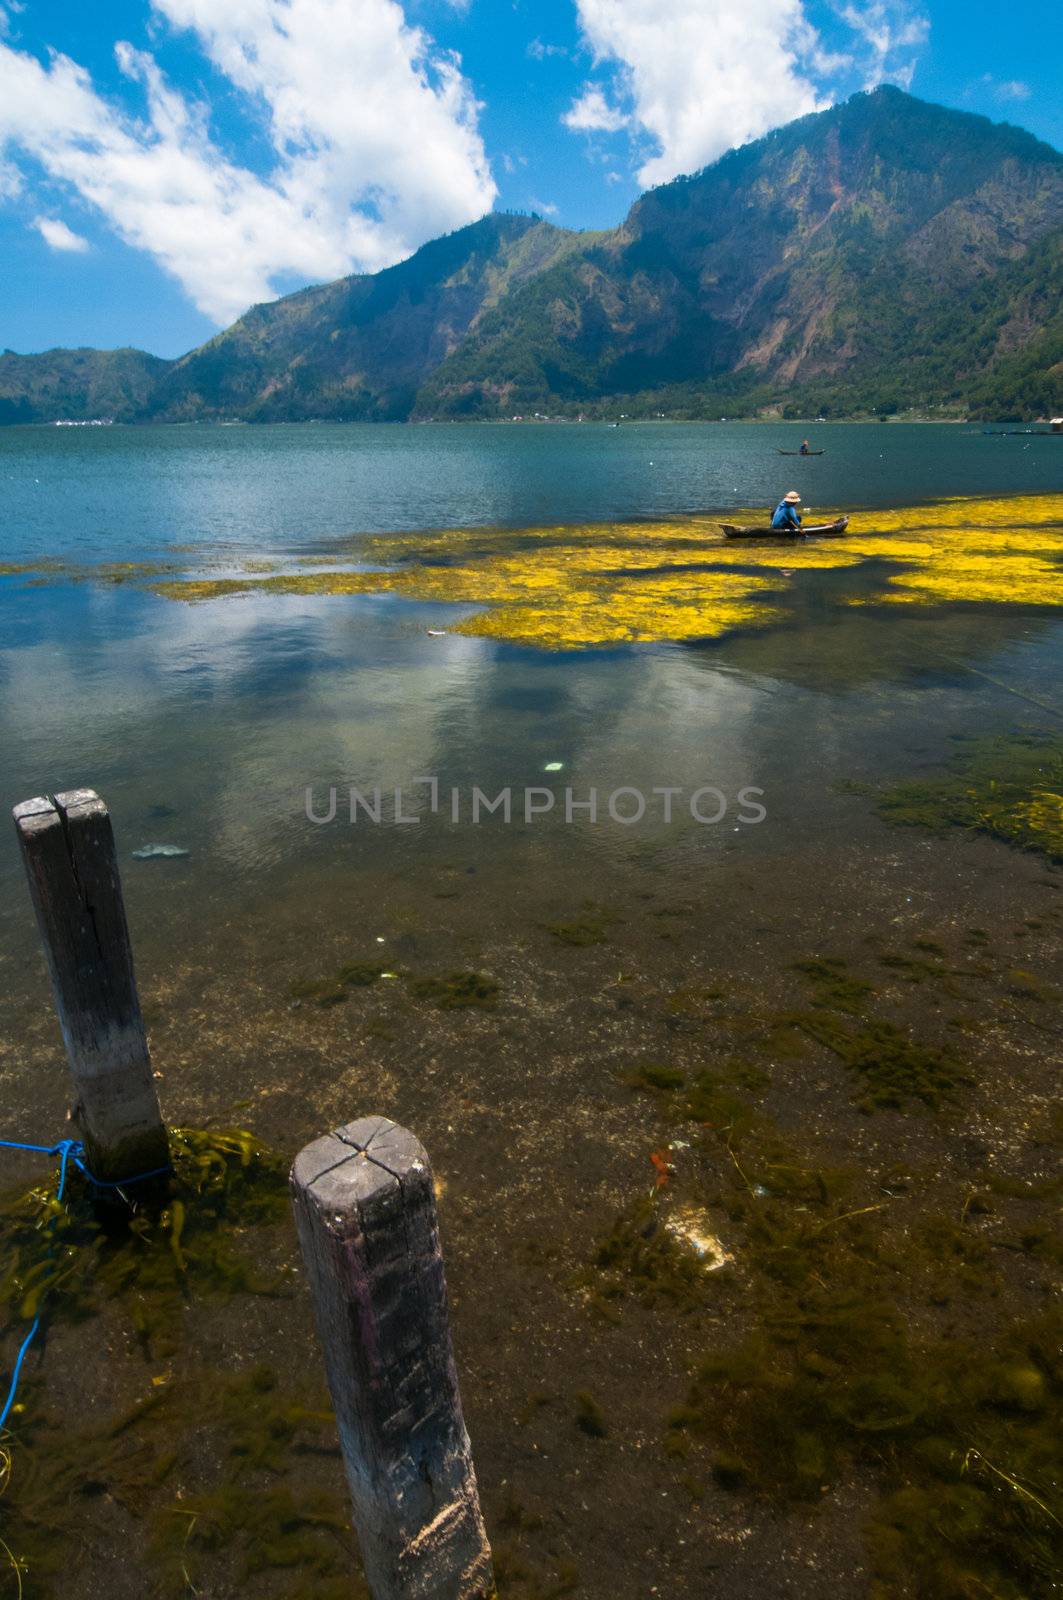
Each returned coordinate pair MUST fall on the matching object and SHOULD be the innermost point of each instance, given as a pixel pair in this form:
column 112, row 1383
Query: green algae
column 841, row 1375
column 203, row 1464
column 1009, row 786
column 960, row 1440
column 894, row 1069
column 208, row 1465
column 457, row 991
column 638, row 1257
column 832, row 1380
column 334, row 988
column 74, row 1257
column 833, row 986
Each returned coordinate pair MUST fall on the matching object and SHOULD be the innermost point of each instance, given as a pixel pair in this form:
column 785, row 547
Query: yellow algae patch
column 1005, row 511
column 981, row 579
column 601, row 584
column 628, row 615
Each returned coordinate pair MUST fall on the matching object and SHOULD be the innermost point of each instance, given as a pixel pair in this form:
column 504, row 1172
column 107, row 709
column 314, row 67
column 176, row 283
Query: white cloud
column 1008, row 88
column 890, row 34
column 540, row 51
column 374, row 132
column 58, row 235
column 714, row 73
column 592, row 113
column 544, row 207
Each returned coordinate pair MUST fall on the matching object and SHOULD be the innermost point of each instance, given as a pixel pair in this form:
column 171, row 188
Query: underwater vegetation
column 334, row 989
column 209, row 1468
column 600, row 585
column 457, row 990
column 204, row 1469
column 150, row 1260
column 866, row 1339
column 1009, row 786
column 451, row 992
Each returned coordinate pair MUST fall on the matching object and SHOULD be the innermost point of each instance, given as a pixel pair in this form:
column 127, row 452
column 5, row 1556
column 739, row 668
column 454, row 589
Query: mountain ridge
column 885, row 254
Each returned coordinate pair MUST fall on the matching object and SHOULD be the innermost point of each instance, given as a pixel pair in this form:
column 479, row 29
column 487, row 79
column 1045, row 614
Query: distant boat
column 802, row 452
column 819, row 530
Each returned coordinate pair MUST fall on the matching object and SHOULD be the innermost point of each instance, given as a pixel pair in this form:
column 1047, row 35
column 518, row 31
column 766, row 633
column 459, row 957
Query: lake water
column 203, row 725
column 108, row 493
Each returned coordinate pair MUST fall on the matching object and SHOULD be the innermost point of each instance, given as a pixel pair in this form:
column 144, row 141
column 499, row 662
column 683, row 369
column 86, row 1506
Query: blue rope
column 67, row 1150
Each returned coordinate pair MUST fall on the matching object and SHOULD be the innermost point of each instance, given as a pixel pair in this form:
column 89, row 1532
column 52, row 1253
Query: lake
column 193, row 621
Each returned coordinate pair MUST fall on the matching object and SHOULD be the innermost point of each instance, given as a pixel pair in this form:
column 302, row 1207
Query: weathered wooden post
column 366, row 1216
column 69, row 854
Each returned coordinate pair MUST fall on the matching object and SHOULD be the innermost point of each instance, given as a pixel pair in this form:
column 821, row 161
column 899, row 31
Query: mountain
column 361, row 348
column 77, row 385
column 859, row 258
column 884, row 254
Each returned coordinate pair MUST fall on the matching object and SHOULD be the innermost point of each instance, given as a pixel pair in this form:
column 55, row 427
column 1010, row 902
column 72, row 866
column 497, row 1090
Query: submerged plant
column 333, row 989
column 188, row 1459
column 457, row 990
column 1008, row 786
column 147, row 1256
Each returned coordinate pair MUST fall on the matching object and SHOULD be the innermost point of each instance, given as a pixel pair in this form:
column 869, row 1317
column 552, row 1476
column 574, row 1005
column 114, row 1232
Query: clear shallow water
column 204, row 725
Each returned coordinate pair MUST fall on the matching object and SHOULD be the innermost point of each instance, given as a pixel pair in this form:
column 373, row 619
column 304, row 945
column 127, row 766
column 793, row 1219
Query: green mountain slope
column 361, row 347
column 881, row 255
column 845, row 260
column 77, row 385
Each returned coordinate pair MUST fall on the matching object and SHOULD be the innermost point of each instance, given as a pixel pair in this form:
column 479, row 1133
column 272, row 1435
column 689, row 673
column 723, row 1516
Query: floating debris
column 554, row 766
column 662, row 1166
column 691, row 1227
column 160, row 852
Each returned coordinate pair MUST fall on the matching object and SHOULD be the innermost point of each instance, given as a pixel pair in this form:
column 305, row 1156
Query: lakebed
column 743, row 1128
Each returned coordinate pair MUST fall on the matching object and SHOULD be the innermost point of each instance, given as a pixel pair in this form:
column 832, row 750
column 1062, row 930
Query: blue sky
column 166, row 163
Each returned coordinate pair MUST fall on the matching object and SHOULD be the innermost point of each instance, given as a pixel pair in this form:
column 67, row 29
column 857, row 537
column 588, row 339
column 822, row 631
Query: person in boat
column 786, row 514
column 804, row 450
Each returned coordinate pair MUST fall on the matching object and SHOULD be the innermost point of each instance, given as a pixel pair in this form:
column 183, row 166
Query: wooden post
column 69, row 855
column 366, row 1216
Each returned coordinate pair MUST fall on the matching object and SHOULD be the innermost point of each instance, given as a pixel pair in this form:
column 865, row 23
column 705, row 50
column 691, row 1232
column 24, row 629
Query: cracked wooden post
column 366, row 1216
column 69, row 855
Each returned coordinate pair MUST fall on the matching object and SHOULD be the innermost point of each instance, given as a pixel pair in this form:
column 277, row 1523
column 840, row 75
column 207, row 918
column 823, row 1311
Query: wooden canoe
column 802, row 452
column 813, row 530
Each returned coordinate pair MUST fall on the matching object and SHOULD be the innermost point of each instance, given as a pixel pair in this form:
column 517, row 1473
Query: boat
column 802, row 452
column 814, row 530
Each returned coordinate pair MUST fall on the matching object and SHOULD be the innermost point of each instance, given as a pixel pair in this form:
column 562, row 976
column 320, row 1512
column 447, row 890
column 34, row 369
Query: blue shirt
column 786, row 515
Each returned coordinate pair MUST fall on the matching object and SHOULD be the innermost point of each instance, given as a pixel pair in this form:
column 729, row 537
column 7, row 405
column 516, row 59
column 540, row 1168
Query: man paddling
column 786, row 515
column 804, row 450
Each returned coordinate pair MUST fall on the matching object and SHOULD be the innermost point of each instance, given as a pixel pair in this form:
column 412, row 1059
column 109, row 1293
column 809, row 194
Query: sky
column 164, row 164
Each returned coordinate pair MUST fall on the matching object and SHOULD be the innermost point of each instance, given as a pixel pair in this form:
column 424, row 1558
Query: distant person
column 786, row 514
column 804, row 450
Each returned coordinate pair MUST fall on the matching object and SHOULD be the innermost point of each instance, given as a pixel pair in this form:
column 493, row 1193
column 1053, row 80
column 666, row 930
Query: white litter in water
column 380, row 939
column 691, row 1227
column 159, row 852
column 553, row 766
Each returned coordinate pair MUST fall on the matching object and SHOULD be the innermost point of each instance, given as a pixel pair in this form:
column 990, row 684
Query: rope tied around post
column 69, row 1152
